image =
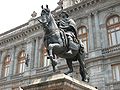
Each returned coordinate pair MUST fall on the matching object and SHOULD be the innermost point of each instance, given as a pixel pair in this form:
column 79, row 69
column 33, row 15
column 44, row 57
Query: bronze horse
column 55, row 41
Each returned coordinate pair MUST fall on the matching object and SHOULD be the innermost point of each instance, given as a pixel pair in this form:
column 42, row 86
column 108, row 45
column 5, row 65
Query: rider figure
column 68, row 25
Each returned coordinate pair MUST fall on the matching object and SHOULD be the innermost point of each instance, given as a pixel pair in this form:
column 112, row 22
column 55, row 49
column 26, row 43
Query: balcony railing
column 112, row 49
column 113, row 86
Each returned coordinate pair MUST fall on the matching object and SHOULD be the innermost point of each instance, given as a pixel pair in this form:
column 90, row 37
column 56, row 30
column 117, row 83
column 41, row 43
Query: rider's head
column 64, row 14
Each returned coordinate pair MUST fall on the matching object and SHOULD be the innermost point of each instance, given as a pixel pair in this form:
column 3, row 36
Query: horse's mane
column 53, row 22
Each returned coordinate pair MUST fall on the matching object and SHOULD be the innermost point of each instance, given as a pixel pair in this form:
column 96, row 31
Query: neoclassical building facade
column 98, row 26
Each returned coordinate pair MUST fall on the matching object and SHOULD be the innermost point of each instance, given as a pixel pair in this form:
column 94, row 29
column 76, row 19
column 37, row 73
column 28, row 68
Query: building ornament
column 34, row 14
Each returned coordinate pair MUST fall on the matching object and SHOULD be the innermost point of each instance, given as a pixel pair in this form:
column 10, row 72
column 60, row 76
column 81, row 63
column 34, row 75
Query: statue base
column 59, row 82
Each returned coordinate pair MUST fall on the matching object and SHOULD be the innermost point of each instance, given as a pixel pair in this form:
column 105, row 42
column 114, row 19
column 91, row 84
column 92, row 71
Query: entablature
column 86, row 7
column 19, row 34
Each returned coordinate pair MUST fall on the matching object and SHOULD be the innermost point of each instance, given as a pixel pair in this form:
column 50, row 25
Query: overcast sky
column 16, row 12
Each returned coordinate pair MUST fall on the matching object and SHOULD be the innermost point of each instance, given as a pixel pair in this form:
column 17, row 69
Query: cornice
column 20, row 35
column 80, row 7
column 87, row 7
column 14, row 29
column 101, row 6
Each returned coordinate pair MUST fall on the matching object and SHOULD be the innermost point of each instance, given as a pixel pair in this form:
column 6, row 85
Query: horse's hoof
column 86, row 80
column 54, row 64
column 54, row 69
column 66, row 73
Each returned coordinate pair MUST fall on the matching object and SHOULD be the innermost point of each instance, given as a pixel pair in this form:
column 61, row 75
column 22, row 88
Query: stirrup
column 69, row 52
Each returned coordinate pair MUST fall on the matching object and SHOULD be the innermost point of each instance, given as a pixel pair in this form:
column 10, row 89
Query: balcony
column 113, row 86
column 112, row 49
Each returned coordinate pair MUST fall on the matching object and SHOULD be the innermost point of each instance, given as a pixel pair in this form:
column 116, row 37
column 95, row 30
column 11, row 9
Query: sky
column 17, row 12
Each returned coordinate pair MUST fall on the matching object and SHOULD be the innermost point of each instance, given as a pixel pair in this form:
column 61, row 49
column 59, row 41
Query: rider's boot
column 69, row 50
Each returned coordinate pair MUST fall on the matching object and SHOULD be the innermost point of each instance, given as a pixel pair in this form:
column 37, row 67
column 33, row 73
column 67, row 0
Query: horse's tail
column 81, row 50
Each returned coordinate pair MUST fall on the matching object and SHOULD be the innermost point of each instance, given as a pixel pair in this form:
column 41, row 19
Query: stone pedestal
column 59, row 82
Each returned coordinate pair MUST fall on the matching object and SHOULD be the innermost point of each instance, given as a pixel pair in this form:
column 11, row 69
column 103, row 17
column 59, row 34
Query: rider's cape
column 73, row 26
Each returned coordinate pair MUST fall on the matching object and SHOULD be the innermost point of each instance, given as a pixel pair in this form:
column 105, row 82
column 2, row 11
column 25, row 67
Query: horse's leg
column 83, row 71
column 50, row 49
column 69, row 63
column 54, row 63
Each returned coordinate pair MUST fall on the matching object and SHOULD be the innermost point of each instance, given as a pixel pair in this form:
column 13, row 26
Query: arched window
column 113, row 29
column 46, row 61
column 21, row 62
column 6, row 66
column 83, row 36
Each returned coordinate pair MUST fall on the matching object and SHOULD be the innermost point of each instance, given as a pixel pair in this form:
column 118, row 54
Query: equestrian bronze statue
column 60, row 39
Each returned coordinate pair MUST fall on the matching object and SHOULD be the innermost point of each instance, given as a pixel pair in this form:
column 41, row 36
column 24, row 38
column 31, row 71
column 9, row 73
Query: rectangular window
column 22, row 67
column 6, row 71
column 116, row 72
column 110, row 39
column 111, row 21
column 116, row 20
column 113, row 38
column 118, row 37
column 46, row 61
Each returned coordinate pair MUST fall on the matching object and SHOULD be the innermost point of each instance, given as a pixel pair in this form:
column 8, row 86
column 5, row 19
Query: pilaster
column 97, row 31
column 36, row 52
column 0, row 63
column 33, row 53
column 39, row 50
column 90, row 34
column 12, row 60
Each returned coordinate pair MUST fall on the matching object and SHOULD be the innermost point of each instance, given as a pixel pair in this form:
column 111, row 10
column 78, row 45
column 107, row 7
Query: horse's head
column 47, row 20
column 45, row 15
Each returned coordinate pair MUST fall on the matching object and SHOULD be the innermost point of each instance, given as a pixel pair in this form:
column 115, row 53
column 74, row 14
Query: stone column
column 32, row 53
column 36, row 53
column 12, row 61
column 104, row 37
column 15, row 60
column 90, row 35
column 0, row 63
column 0, row 55
column 39, row 50
column 97, row 32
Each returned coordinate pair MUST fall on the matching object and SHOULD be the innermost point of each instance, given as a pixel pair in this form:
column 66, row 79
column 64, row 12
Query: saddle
column 65, row 36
